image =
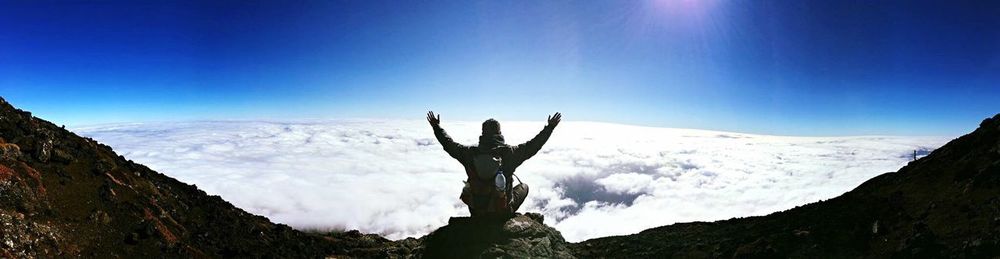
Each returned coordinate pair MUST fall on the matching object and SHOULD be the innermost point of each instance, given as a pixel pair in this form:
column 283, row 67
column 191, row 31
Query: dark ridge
column 68, row 196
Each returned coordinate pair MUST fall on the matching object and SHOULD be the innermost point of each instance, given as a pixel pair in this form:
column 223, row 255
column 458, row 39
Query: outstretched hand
column 433, row 120
column 554, row 119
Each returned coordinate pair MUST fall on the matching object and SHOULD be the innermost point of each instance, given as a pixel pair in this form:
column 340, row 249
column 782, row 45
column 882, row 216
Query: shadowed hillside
column 64, row 195
column 946, row 204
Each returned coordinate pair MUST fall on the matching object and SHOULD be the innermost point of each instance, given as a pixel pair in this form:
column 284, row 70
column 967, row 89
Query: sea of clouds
column 590, row 180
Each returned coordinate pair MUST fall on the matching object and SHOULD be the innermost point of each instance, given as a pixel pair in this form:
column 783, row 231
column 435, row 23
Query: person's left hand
column 433, row 120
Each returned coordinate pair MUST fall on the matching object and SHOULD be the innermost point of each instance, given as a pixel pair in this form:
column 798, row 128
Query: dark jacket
column 512, row 156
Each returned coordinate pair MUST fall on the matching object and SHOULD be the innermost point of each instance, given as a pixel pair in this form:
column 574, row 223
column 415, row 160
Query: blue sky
column 790, row 68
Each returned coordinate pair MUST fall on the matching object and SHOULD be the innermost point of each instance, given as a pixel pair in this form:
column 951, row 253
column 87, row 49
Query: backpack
column 489, row 185
column 487, row 167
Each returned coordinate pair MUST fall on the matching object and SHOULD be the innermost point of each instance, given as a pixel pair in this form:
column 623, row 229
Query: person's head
column 491, row 127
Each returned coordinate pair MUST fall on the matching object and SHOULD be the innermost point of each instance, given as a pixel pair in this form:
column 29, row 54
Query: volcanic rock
column 523, row 236
column 62, row 195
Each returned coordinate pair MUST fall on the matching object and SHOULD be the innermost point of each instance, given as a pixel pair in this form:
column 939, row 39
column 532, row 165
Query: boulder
column 522, row 236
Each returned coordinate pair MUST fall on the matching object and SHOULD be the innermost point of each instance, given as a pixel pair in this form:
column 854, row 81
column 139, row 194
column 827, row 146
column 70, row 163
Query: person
column 490, row 166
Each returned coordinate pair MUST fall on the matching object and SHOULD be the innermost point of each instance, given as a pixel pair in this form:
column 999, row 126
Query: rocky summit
column 523, row 236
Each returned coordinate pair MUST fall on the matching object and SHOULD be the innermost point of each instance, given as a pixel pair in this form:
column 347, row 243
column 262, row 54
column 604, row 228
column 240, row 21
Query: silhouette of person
column 481, row 192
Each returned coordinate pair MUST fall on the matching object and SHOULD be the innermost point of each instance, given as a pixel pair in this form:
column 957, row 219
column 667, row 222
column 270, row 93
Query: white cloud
column 590, row 180
column 627, row 183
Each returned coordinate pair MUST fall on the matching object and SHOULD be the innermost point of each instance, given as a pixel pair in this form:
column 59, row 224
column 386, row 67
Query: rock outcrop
column 523, row 236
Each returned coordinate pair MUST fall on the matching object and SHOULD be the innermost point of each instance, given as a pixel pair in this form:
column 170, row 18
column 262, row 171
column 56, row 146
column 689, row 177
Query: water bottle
column 501, row 182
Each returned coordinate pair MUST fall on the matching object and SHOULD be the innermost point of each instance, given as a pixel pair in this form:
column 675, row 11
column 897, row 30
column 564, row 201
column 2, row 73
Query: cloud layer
column 590, row 180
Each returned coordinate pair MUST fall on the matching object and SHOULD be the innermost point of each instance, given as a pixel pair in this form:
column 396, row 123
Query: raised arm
column 455, row 150
column 528, row 149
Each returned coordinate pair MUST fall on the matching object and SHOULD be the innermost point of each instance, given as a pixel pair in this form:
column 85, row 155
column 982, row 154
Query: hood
column 489, row 142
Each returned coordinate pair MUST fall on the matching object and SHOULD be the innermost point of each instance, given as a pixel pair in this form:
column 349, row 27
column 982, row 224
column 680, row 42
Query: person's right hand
column 555, row 119
column 433, row 120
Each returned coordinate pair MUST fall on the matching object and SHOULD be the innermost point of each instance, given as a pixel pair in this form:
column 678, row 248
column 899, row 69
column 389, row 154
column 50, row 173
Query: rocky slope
column 63, row 195
column 946, row 204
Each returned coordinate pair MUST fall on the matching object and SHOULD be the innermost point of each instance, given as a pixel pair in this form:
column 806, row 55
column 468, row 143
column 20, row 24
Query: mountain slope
column 64, row 195
column 943, row 205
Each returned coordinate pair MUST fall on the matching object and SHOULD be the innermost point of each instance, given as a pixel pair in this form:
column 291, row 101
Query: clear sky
column 775, row 67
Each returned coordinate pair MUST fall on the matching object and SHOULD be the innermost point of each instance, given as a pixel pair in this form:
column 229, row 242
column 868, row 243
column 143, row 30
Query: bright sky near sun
column 790, row 68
